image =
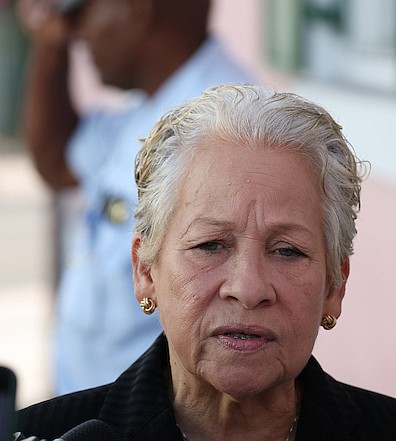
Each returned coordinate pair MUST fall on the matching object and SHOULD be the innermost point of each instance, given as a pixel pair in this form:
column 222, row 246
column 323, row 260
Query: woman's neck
column 205, row 414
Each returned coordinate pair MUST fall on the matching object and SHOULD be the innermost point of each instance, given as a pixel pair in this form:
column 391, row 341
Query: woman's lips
column 244, row 338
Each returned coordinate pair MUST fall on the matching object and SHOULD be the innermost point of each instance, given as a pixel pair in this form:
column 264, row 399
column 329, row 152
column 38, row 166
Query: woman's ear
column 335, row 296
column 142, row 280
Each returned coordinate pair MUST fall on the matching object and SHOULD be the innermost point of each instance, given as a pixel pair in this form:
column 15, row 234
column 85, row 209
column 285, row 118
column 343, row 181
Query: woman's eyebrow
column 207, row 221
column 226, row 225
column 290, row 227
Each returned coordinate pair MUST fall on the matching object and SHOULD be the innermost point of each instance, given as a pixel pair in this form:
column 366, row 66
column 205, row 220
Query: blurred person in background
column 161, row 48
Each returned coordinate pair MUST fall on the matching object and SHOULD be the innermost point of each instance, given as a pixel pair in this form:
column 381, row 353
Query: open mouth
column 241, row 341
column 241, row 335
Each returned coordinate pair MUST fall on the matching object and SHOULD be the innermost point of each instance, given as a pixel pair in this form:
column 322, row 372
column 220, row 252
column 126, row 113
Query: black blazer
column 137, row 407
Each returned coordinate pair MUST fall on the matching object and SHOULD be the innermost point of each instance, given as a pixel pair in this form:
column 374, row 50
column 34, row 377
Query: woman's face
column 240, row 282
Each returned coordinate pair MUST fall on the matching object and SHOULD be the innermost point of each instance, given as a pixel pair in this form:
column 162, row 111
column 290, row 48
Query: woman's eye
column 209, row 246
column 289, row 252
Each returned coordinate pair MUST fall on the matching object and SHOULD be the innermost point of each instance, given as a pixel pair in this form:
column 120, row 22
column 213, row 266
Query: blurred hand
column 43, row 23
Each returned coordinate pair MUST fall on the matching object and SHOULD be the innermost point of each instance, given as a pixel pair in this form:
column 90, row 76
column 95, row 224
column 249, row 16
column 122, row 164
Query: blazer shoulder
column 52, row 418
column 346, row 411
column 373, row 403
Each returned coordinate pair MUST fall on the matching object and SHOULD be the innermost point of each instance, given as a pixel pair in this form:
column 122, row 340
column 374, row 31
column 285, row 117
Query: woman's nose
column 249, row 280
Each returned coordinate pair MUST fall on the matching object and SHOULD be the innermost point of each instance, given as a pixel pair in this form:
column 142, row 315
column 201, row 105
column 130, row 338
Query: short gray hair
column 253, row 117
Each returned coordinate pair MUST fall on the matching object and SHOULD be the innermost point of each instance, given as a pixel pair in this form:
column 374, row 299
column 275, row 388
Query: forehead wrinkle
column 273, row 227
column 253, row 213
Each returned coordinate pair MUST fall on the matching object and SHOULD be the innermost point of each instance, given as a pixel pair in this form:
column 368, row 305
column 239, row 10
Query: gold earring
column 328, row 322
column 148, row 305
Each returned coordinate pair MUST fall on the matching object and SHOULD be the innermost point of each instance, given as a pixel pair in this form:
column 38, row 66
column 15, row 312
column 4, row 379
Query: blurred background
column 339, row 53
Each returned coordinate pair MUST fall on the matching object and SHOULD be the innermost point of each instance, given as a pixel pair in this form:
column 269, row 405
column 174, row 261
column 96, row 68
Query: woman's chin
column 240, row 391
column 241, row 384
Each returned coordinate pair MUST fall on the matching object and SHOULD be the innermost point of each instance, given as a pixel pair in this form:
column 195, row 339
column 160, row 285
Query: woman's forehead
column 222, row 181
column 233, row 164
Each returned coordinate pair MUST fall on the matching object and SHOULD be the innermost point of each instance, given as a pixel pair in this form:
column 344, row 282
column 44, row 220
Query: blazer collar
column 137, row 405
column 327, row 409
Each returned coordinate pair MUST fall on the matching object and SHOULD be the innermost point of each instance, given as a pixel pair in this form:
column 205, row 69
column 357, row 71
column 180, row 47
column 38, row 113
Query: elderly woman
column 244, row 228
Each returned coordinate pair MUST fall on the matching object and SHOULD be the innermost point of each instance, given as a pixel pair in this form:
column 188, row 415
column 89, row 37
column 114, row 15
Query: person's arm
column 49, row 118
